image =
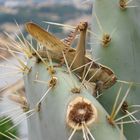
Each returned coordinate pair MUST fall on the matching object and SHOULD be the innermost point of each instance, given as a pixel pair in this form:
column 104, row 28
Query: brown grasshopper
column 98, row 74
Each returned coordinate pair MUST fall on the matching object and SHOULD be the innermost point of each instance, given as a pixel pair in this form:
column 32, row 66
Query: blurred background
column 20, row 12
column 62, row 11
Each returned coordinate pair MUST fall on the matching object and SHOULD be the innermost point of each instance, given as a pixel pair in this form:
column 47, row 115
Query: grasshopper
column 100, row 75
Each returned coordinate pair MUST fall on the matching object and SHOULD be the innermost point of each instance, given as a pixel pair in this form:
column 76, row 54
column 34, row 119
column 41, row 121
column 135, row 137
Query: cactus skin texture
column 50, row 119
column 121, row 53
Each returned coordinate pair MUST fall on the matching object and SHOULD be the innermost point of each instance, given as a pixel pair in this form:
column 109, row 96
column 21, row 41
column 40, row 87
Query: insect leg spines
column 69, row 40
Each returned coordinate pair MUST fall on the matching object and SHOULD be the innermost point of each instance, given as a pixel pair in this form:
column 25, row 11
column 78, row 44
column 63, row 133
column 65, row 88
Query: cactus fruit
column 117, row 30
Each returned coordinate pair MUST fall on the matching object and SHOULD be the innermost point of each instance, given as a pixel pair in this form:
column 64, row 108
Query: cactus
column 68, row 95
column 116, row 41
column 7, row 135
column 57, row 116
column 60, row 85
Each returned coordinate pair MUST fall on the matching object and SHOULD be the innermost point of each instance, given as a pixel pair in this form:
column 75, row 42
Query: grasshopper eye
column 82, row 26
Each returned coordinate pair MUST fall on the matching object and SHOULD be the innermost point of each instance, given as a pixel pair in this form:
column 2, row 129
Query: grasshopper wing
column 48, row 40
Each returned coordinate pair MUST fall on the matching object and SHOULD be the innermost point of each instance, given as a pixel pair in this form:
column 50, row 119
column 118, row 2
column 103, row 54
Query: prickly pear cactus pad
column 116, row 26
column 63, row 111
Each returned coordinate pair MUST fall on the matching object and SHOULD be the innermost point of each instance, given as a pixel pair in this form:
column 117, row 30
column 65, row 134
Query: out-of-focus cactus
column 116, row 41
column 3, row 128
column 11, row 112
